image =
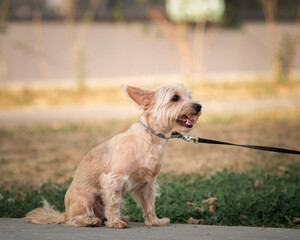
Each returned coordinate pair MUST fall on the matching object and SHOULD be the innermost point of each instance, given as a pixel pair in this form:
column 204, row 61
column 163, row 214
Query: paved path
column 94, row 113
column 19, row 229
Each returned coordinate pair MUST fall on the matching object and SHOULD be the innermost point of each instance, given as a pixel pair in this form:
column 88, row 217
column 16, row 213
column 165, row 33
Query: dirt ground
column 36, row 154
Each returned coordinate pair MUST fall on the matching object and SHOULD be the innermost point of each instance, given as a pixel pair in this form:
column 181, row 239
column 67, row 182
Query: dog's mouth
column 187, row 121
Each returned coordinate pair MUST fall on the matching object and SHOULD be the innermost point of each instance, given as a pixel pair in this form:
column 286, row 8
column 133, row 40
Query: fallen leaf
column 244, row 216
column 194, row 221
column 257, row 184
column 189, row 204
column 210, row 200
column 212, row 208
column 282, row 169
column 198, row 208
column 295, row 219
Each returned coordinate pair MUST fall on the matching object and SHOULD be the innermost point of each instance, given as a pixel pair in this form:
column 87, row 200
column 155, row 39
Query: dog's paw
column 125, row 219
column 158, row 222
column 117, row 224
column 163, row 221
column 93, row 222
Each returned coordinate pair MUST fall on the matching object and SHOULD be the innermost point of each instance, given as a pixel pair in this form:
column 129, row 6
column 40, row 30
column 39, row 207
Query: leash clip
column 188, row 138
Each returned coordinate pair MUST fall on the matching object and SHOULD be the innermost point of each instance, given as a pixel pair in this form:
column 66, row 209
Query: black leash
column 188, row 138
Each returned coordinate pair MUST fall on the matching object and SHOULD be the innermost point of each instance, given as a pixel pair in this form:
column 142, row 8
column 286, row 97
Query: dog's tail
column 46, row 215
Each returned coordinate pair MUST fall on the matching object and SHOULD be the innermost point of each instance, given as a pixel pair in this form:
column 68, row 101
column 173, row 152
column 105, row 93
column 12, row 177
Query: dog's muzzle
column 197, row 107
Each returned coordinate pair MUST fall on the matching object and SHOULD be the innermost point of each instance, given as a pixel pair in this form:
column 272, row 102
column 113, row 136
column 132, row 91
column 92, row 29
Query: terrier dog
column 128, row 162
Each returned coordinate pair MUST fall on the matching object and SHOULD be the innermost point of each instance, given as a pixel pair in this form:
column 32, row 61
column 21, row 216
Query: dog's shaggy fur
column 128, row 162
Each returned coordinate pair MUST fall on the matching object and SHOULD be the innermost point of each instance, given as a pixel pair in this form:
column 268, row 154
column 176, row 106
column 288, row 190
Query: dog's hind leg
column 85, row 221
column 80, row 209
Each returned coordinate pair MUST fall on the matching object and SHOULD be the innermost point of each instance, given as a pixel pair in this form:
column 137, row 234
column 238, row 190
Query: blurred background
column 83, row 43
column 62, row 64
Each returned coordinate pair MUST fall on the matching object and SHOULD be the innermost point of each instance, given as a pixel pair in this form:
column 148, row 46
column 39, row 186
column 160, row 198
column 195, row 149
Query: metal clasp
column 188, row 138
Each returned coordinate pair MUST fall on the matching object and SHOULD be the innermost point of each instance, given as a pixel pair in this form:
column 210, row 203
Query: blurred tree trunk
column 283, row 54
column 191, row 64
column 77, row 40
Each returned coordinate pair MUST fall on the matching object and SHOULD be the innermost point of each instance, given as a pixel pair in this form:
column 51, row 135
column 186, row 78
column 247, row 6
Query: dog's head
column 166, row 109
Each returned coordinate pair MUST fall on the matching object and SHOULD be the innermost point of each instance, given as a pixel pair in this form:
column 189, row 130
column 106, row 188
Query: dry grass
column 10, row 98
column 267, row 129
column 37, row 154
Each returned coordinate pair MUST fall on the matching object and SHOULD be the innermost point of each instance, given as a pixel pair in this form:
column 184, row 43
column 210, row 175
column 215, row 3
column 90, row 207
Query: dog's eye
column 175, row 98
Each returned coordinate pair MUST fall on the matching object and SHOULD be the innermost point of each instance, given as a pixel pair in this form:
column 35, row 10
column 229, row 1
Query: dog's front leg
column 112, row 196
column 147, row 199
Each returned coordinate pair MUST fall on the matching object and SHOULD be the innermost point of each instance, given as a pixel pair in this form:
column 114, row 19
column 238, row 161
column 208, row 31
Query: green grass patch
column 240, row 203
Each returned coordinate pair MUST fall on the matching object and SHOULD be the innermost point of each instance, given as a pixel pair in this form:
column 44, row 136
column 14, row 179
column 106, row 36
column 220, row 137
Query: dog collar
column 153, row 131
column 173, row 135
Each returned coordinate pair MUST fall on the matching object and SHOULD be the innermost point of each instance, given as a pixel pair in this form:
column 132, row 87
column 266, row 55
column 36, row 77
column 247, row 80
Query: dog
column 128, row 162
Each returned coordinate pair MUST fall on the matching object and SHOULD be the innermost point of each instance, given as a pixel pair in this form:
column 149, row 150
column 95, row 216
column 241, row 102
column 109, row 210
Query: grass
column 55, row 149
column 240, row 203
column 29, row 97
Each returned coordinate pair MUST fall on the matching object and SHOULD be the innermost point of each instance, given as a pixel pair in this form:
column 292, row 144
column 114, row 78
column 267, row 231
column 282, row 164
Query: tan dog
column 128, row 162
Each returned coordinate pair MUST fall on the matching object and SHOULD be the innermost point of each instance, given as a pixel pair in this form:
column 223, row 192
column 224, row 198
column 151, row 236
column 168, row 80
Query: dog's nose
column 197, row 107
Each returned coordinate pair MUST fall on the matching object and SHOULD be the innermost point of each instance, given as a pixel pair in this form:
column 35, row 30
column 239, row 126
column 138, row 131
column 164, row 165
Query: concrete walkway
column 19, row 229
column 95, row 113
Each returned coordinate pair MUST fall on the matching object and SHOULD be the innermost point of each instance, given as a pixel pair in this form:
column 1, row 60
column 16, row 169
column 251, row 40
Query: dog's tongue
column 192, row 122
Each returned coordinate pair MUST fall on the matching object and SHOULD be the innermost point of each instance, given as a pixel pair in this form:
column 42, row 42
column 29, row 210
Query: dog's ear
column 143, row 97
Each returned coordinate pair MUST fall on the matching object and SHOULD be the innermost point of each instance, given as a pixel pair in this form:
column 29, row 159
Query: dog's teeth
column 187, row 122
